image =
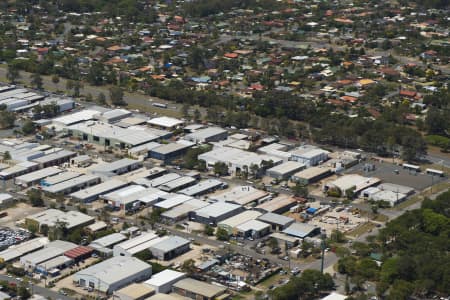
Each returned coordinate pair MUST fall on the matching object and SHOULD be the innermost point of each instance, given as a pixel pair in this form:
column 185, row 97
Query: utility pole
column 322, row 244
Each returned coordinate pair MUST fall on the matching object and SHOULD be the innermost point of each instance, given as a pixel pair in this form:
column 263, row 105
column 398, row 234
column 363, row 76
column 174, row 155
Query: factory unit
column 276, row 150
column 280, row 204
column 143, row 150
column 72, row 185
column 276, row 221
column 163, row 281
column 177, row 184
column 104, row 245
column 117, row 167
column 152, row 196
column 170, row 248
column 302, row 230
column 166, row 123
column 54, row 159
column 171, row 201
column 242, row 195
column 5, row 199
column 58, row 178
column 203, row 187
column 77, row 117
column 311, row 175
column 113, row 274
column 207, row 135
column 94, row 192
column 126, row 198
column 231, row 223
column 81, row 161
column 134, row 245
column 53, row 266
column 215, row 212
column 355, row 182
column 377, row 194
column 169, row 152
column 50, row 251
column 182, row 211
column 237, row 160
column 110, row 135
column 17, row 251
column 35, row 177
column 252, row 229
column 51, row 217
column 112, row 116
column 156, row 182
column 134, row 291
column 62, row 104
column 309, row 155
column 18, row 169
column 196, row 289
column 285, row 170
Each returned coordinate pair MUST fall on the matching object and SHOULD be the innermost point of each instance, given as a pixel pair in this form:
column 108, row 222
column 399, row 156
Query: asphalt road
column 47, row 293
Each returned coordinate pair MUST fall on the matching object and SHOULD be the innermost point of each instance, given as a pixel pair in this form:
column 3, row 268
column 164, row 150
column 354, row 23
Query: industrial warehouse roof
column 38, row 175
column 241, row 195
column 312, row 172
column 62, row 186
column 125, row 193
column 109, row 240
column 163, row 179
column 166, row 122
column 54, row 156
column 216, row 209
column 273, row 218
column 136, row 241
column 287, row 167
column 164, row 277
column 169, row 148
column 79, row 251
column 300, row 230
column 235, row 157
column 183, row 209
column 171, row 243
column 98, row 189
column 50, row 251
column 110, row 167
column 202, row 134
column 201, row 187
column 200, row 287
column 17, row 251
column 136, row 291
column 353, row 180
column 52, row 216
column 60, row 177
column 54, row 262
column 115, row 269
column 177, row 183
column 277, row 203
column 252, row 225
column 152, row 195
column 172, row 201
column 124, row 135
column 240, row 218
column 84, row 115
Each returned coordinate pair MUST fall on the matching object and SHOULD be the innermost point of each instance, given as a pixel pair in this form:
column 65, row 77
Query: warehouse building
column 140, row 173
column 163, row 281
column 169, row 151
column 355, row 182
column 72, row 185
column 110, row 135
column 215, row 213
column 143, row 150
column 62, row 104
column 162, row 180
column 166, row 123
column 126, row 198
column 396, row 188
column 309, row 155
column 237, row 160
column 5, row 199
column 113, row 274
column 152, row 196
column 311, row 175
column 53, row 266
column 276, row 150
column 112, row 116
column 276, row 221
column 242, row 195
column 134, row 245
column 177, row 184
column 252, row 229
column 80, row 116
column 231, row 224
column 94, row 192
column 207, row 135
column 50, row 251
column 18, row 169
column 104, row 245
column 170, row 248
column 134, row 291
column 172, row 200
column 54, row 159
column 285, row 170
column 117, row 167
column 17, row 251
column 278, row 205
column 203, row 187
column 51, row 217
column 302, row 230
column 58, row 178
column 36, row 176
column 182, row 211
column 196, row 289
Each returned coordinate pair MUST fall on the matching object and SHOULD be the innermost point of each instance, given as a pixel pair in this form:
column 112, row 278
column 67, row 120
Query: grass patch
column 439, row 187
column 381, row 218
column 271, row 280
column 160, row 111
column 361, row 229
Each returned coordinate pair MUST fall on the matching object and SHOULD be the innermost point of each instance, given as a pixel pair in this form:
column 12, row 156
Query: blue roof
column 311, row 210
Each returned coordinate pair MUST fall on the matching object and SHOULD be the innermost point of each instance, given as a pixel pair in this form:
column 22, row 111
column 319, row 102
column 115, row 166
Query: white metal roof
column 164, row 277
column 166, row 122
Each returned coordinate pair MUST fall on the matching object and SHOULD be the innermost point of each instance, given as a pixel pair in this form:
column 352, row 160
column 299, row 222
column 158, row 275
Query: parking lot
column 9, row 237
column 387, row 173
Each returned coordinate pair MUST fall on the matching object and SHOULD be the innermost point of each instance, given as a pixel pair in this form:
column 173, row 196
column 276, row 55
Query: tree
column 12, row 73
column 36, row 80
column 220, row 169
column 77, row 86
column 28, row 127
column 209, row 230
column 197, row 115
column 222, row 234
column 272, row 243
column 7, row 119
column 116, row 96
column 101, row 99
column 6, row 156
column 35, row 197
column 23, row 292
column 185, row 110
column 55, row 79
column 188, row 266
column 300, row 190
